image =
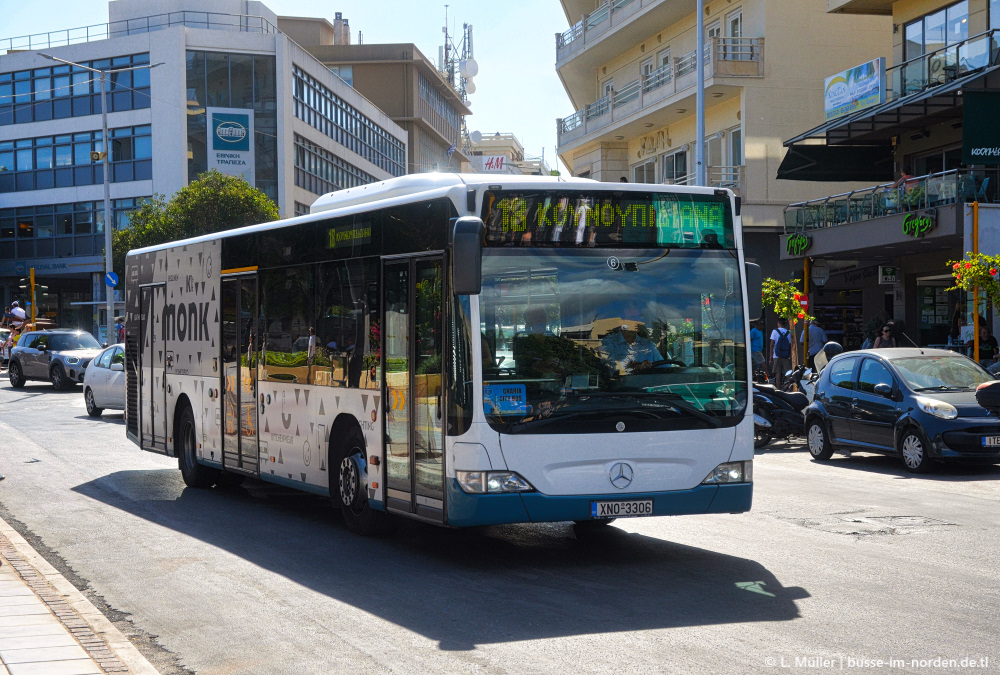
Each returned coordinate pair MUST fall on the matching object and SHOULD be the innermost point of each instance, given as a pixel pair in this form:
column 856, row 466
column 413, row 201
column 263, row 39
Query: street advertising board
column 854, row 89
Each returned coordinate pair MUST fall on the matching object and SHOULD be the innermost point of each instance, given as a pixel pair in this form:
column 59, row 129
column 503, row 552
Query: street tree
column 212, row 203
column 784, row 298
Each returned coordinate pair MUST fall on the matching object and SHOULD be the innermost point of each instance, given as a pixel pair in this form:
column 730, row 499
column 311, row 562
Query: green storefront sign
column 919, row 223
column 797, row 244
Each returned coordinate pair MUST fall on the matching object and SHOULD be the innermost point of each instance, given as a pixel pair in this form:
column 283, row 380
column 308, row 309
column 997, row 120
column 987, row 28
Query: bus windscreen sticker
column 505, row 399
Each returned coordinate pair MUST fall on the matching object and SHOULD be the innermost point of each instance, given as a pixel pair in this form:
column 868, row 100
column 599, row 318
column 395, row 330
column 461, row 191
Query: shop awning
column 913, row 112
column 869, row 163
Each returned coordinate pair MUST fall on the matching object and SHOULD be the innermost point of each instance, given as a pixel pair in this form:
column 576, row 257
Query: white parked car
column 4, row 347
column 104, row 381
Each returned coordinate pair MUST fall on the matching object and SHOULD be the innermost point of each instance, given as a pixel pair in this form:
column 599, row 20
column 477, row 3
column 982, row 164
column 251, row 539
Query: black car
column 59, row 356
column 917, row 404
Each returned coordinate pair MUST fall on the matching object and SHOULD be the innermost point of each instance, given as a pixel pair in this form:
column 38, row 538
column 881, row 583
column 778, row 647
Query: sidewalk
column 47, row 627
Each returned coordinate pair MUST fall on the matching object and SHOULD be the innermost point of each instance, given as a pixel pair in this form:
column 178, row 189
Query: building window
column 323, row 110
column 234, row 81
column 66, row 160
column 346, row 73
column 994, row 14
column 320, row 171
column 644, row 173
column 439, row 103
column 65, row 91
column 301, row 209
column 933, row 34
column 735, row 146
column 674, row 168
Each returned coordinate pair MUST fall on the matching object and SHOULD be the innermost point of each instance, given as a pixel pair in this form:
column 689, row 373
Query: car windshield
column 63, row 342
column 940, row 373
column 655, row 335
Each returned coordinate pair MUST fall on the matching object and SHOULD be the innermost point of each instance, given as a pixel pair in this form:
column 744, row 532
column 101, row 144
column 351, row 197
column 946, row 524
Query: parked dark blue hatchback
column 918, row 404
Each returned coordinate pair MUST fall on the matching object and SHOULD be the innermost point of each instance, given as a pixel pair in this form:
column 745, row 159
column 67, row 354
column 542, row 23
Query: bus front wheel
column 350, row 492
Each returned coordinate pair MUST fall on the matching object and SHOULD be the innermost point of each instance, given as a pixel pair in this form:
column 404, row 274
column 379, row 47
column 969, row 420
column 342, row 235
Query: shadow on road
column 892, row 466
column 108, row 416
column 464, row 587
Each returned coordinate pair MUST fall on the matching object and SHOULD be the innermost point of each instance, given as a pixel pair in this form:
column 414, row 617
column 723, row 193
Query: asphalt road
column 853, row 559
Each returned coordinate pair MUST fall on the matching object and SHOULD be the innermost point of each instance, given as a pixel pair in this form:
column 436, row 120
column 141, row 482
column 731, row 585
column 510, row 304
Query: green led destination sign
column 608, row 218
column 348, row 235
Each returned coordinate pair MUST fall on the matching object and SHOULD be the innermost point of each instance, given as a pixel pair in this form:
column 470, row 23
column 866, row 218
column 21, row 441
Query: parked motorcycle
column 778, row 413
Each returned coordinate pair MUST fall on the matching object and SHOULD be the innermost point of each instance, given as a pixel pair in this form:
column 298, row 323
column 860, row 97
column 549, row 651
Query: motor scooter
column 778, row 413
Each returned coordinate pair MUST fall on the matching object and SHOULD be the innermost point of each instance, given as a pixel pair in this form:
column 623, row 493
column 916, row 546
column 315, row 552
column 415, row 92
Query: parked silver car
column 104, row 381
column 58, row 355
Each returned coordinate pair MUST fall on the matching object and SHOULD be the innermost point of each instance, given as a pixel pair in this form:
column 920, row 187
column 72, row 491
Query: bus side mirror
column 467, row 249
column 754, row 290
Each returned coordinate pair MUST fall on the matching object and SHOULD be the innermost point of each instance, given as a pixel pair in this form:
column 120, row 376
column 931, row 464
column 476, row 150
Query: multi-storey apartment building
column 629, row 68
column 398, row 79
column 928, row 147
column 218, row 68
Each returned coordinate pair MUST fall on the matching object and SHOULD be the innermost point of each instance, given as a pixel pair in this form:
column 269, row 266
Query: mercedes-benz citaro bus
column 459, row 349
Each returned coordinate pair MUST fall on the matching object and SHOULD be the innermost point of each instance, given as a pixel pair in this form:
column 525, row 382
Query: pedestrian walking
column 781, row 351
column 817, row 338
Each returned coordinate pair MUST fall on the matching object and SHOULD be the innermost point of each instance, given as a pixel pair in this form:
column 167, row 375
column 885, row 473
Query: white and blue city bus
column 459, row 349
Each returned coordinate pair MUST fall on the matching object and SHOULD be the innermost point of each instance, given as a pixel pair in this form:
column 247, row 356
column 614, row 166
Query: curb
column 97, row 634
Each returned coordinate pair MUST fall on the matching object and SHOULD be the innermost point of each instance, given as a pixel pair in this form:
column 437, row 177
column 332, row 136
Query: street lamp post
column 106, row 141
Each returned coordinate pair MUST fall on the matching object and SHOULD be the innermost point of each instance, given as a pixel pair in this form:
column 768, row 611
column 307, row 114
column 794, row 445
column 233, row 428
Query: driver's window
column 105, row 359
column 119, row 356
column 41, row 342
column 873, row 373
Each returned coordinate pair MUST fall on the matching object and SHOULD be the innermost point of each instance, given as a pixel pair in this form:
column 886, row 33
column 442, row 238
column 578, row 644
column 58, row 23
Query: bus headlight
column 730, row 472
column 481, row 482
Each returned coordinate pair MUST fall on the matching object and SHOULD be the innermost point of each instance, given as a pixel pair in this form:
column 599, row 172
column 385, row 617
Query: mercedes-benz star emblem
column 621, row 475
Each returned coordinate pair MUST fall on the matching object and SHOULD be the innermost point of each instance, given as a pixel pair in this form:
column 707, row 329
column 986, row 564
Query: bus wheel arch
column 348, row 461
column 195, row 475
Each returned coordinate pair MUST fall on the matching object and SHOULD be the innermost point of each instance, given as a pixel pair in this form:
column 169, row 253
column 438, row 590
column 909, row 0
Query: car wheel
column 914, row 451
column 92, row 408
column 817, row 441
column 351, row 494
column 194, row 474
column 15, row 375
column 57, row 376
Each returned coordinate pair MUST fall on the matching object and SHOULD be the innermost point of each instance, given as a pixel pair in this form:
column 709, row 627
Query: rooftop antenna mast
column 456, row 63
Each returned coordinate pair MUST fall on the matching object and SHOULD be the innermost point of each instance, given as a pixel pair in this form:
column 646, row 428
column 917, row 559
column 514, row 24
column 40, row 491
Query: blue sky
column 517, row 89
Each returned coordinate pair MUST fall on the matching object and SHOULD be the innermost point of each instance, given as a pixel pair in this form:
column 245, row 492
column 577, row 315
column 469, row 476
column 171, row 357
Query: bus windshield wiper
column 602, row 411
column 673, row 400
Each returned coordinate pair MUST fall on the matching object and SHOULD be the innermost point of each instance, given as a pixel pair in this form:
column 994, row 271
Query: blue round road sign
column 111, row 279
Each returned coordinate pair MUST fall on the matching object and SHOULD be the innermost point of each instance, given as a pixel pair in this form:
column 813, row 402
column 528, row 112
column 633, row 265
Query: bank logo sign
column 230, row 142
column 854, row 89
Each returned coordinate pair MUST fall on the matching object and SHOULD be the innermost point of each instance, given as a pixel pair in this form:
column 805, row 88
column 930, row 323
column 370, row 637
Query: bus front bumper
column 466, row 510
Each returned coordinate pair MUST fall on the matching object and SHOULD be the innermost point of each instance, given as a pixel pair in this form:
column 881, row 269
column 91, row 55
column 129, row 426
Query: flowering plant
column 978, row 271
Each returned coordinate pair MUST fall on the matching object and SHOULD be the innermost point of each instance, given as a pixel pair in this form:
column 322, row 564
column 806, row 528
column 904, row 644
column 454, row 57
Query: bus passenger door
column 414, row 402
column 240, row 353
column 152, row 371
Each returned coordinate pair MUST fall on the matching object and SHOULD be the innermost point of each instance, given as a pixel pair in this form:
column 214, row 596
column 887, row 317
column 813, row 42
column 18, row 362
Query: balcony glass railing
column 147, row 24
column 655, row 86
column 921, row 192
column 942, row 65
column 593, row 22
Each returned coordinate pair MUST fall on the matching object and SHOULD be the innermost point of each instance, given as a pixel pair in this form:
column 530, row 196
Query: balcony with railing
column 943, row 65
column 723, row 176
column 729, row 57
column 596, row 24
column 204, row 20
column 914, row 194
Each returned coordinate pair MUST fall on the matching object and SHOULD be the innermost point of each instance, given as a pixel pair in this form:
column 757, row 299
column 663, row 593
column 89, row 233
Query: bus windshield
column 620, row 219
column 651, row 337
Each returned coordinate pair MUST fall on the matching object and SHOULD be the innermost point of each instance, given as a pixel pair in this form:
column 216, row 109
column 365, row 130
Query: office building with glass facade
column 214, row 84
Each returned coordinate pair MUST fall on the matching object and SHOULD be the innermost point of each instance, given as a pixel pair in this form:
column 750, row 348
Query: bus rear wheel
column 194, row 474
column 349, row 491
